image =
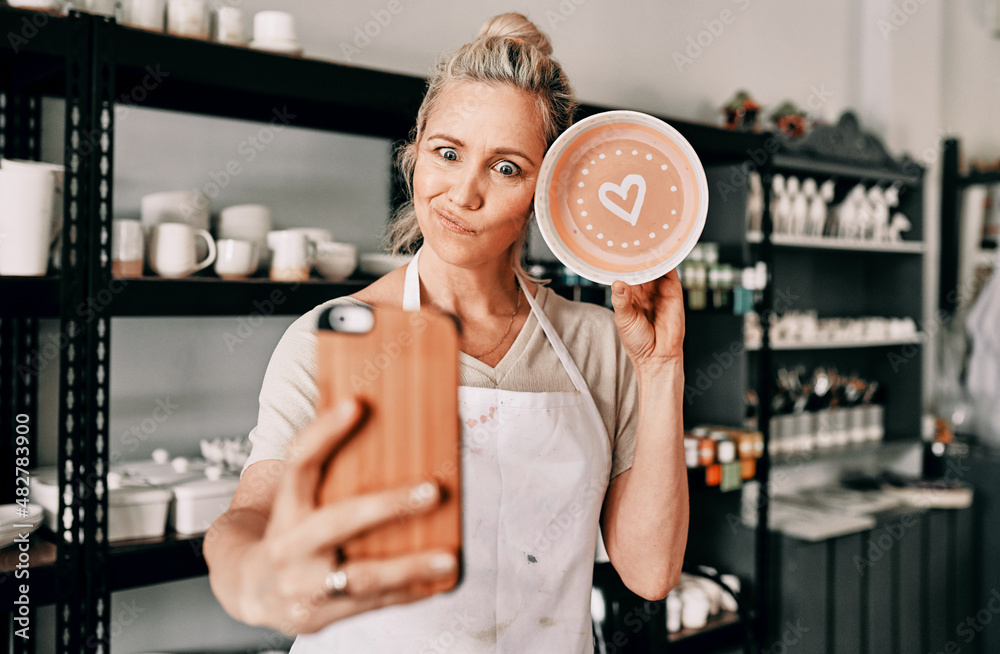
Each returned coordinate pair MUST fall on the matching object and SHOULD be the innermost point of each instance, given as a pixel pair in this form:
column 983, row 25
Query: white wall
column 938, row 70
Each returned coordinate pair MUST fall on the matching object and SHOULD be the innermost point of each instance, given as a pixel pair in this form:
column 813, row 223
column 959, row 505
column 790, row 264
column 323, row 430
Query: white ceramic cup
column 274, row 27
column 247, row 222
column 336, row 261
column 145, row 14
column 128, row 247
column 186, row 207
column 188, row 18
column 316, row 235
column 57, row 173
column 44, row 5
column 291, row 255
column 26, row 221
column 172, row 250
column 102, row 7
column 228, row 26
column 236, row 259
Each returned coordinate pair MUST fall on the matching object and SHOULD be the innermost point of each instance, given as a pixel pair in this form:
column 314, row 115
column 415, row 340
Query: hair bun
column 516, row 26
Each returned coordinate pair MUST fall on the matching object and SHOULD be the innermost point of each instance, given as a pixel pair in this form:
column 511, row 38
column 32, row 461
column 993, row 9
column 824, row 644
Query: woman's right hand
column 283, row 576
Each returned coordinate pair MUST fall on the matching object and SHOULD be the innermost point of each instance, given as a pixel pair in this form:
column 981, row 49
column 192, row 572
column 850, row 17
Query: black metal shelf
column 154, row 561
column 29, row 296
column 41, row 575
column 713, row 144
column 804, row 165
column 974, row 177
column 203, row 77
column 30, row 32
column 725, row 630
column 132, row 564
column 830, row 243
column 207, row 296
column 893, row 443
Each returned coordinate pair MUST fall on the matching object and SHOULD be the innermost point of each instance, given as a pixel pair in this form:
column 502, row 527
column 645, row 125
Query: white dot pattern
column 590, row 227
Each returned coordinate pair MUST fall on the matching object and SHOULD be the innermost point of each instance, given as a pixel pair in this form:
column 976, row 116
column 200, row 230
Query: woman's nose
column 465, row 189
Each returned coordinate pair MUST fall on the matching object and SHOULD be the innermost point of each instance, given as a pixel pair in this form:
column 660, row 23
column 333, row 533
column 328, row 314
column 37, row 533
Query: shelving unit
column 93, row 63
column 953, row 184
column 836, row 278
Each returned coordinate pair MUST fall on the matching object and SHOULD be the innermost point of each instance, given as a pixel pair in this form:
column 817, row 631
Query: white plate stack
column 14, row 521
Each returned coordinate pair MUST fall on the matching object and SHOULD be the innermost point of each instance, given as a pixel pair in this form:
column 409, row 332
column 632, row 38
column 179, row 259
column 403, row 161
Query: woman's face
column 474, row 179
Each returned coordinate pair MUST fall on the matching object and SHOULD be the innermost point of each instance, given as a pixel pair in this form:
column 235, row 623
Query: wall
column 938, row 69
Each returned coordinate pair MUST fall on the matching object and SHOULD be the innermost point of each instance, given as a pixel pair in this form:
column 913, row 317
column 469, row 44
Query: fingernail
column 619, row 289
column 443, row 563
column 423, row 494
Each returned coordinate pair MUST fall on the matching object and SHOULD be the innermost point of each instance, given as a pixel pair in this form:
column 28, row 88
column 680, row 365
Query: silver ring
column 336, row 583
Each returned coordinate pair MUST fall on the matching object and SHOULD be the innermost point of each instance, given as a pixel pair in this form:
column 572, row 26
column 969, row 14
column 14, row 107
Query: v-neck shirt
column 288, row 392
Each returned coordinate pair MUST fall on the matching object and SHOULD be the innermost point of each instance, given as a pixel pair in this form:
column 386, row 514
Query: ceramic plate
column 621, row 195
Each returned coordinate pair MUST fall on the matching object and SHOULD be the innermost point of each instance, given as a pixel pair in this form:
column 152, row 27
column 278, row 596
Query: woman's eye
column 449, row 154
column 506, row 168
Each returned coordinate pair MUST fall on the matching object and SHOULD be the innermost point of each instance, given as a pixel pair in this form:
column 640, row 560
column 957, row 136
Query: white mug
column 172, row 250
column 247, row 222
column 228, row 26
column 274, row 26
column 102, row 7
column 291, row 255
column 188, row 18
column 26, row 221
column 236, row 259
column 185, row 207
column 316, row 235
column 127, row 248
column 41, row 168
column 145, row 14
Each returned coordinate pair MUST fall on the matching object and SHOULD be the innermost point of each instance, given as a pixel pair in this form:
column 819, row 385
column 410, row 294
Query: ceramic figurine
column 847, row 215
column 781, row 216
column 800, row 205
column 755, row 203
column 826, row 193
column 891, row 195
column 880, row 214
column 898, row 225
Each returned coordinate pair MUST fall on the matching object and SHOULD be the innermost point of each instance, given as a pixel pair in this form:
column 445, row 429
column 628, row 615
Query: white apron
column 535, row 468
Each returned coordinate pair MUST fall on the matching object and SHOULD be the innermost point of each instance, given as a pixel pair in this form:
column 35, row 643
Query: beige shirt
column 288, row 394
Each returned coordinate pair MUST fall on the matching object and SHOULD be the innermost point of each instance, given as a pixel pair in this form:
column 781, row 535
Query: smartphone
column 403, row 365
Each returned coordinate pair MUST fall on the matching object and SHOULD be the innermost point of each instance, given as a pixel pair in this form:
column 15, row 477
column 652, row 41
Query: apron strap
column 557, row 344
column 411, row 285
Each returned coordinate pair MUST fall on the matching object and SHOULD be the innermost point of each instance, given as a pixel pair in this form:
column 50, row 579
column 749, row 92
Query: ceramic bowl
column 336, row 261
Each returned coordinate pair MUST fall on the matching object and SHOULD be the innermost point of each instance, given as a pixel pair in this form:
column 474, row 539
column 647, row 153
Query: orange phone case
column 405, row 370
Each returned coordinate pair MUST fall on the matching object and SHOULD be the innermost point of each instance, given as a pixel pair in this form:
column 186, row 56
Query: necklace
column 510, row 324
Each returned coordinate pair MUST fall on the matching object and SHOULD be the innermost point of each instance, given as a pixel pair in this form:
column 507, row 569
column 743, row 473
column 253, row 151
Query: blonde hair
column 509, row 49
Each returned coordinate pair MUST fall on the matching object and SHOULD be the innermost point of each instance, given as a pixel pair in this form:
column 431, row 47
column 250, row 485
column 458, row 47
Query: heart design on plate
column 621, row 190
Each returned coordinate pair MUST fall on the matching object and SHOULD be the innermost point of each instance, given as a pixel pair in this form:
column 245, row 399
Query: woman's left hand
column 650, row 320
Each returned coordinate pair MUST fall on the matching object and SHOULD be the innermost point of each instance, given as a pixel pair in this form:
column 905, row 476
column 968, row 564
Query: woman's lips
column 452, row 223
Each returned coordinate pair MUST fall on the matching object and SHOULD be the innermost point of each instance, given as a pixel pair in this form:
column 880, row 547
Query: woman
column 535, row 493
